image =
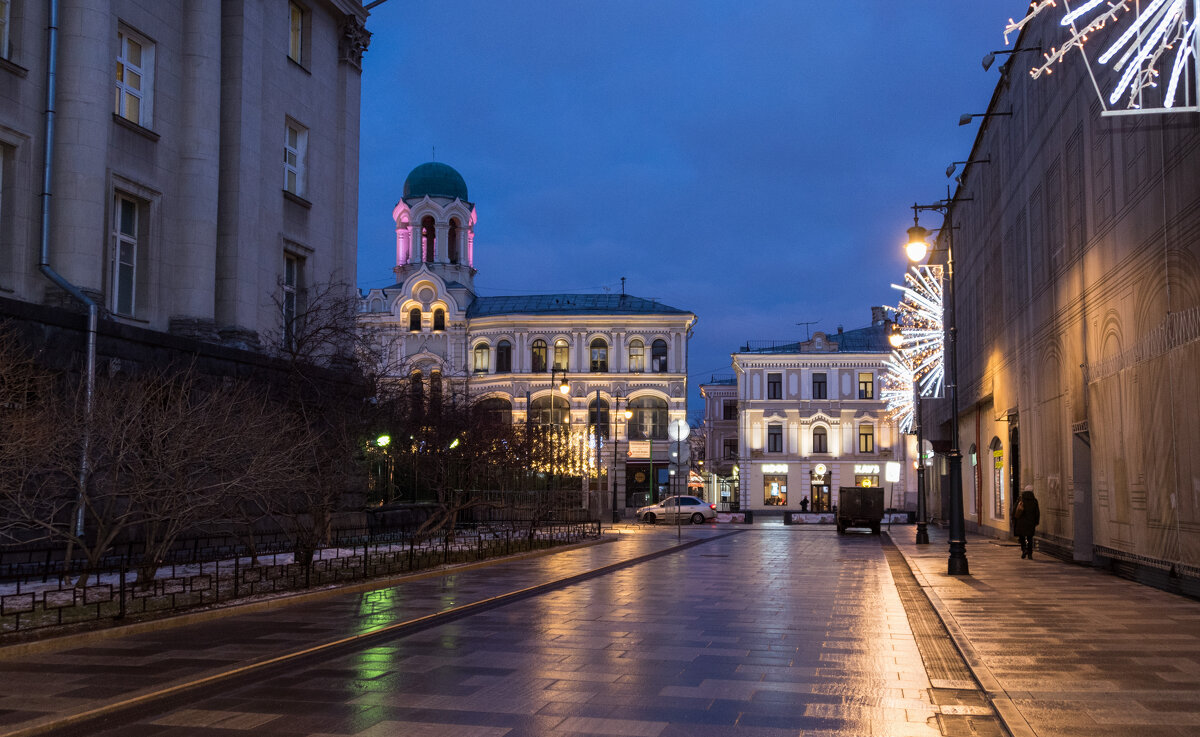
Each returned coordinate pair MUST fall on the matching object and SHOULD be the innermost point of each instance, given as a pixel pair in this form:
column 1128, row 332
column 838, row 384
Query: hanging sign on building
column 639, row 449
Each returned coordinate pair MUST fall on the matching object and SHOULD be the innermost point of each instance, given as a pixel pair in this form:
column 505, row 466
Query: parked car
column 674, row 509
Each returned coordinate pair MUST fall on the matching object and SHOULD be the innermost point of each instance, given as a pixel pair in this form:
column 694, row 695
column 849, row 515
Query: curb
column 59, row 721
column 1009, row 713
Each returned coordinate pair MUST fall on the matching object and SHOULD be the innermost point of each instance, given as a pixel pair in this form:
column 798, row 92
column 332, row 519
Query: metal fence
column 44, row 595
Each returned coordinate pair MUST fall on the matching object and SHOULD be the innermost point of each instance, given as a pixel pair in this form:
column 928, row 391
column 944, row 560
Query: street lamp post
column 565, row 389
column 922, row 513
column 917, row 249
column 612, row 472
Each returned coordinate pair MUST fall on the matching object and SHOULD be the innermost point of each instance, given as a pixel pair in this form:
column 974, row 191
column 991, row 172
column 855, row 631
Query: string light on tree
column 1150, row 34
column 920, row 317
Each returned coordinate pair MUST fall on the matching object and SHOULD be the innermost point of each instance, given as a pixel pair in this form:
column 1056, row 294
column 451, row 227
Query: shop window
column 649, row 421
column 503, row 357
column 774, row 386
column 599, row 356
column 561, row 354
column 537, row 357
column 819, row 387
column 414, row 320
column 775, row 438
column 866, row 386
column 820, row 440
column 866, row 438
column 637, row 357
column 775, row 491
column 658, row 356
column 482, row 354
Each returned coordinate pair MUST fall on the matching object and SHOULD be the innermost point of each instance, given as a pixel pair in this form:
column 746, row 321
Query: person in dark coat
column 1025, row 520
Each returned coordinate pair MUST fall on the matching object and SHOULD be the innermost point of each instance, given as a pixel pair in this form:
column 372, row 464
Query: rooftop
column 569, row 304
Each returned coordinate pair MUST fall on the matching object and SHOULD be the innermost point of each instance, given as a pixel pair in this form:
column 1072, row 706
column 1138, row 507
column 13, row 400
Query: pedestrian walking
column 1025, row 520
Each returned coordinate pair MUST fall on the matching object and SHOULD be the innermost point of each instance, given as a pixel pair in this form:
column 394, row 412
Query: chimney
column 878, row 315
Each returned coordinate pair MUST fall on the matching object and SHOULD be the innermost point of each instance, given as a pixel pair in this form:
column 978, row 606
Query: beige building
column 805, row 418
column 199, row 163
column 1077, row 260
column 615, row 352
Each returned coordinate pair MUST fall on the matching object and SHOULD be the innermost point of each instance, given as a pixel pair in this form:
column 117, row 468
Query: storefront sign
column 639, row 449
column 774, row 468
column 866, row 468
column 820, row 469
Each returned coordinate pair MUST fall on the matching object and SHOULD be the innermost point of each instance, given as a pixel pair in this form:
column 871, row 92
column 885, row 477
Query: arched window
column 599, row 356
column 550, row 409
column 649, row 421
column 494, row 411
column 428, row 238
column 637, row 357
column 452, row 241
column 482, row 354
column 561, row 349
column 414, row 320
column 439, row 319
column 537, row 357
column 503, row 357
column 598, row 417
column 416, row 392
column 435, row 391
column 820, row 440
column 658, row 356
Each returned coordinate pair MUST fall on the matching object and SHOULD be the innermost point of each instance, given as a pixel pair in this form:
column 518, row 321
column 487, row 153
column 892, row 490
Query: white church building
column 623, row 359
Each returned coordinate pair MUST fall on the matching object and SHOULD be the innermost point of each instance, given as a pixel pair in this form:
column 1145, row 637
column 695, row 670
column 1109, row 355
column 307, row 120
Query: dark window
column 649, row 421
column 775, row 438
column 439, row 319
column 730, row 448
column 598, row 417
column 729, row 410
column 774, row 386
column 866, row 386
column 452, row 241
column 416, row 392
column 819, row 391
column 537, row 357
column 820, row 440
column 503, row 357
column 494, row 411
column 414, row 320
column 658, row 356
column 428, row 238
column 599, row 356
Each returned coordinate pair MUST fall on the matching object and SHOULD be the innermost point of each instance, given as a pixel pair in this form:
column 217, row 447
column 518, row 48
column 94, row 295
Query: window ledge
column 129, row 124
column 13, row 68
column 299, row 66
column 293, row 197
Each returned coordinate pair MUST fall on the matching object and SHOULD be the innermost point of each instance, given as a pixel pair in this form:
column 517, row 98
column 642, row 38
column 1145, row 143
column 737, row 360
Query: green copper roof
column 436, row 180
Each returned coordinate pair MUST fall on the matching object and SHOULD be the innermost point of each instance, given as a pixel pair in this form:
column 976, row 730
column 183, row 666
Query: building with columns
column 801, row 419
column 616, row 352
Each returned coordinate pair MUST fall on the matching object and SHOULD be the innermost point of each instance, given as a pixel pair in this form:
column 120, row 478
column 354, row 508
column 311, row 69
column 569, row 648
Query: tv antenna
column 807, row 336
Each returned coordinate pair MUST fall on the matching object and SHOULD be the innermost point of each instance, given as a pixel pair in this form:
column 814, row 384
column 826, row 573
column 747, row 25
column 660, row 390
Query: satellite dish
column 678, row 430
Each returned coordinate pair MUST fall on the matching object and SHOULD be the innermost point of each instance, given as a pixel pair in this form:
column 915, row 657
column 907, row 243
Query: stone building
column 1076, row 241
column 803, row 418
column 614, row 352
column 196, row 173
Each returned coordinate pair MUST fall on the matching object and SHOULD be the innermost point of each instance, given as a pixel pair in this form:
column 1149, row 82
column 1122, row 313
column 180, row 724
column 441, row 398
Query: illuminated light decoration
column 920, row 318
column 897, row 391
column 1148, row 34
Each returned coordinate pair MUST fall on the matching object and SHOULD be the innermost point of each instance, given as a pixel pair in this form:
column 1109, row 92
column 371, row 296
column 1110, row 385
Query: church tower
column 435, row 227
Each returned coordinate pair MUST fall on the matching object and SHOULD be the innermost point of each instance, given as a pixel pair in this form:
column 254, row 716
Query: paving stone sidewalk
column 70, row 676
column 1065, row 650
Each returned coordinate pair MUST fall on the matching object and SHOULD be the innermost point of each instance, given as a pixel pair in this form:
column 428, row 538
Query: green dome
column 435, row 180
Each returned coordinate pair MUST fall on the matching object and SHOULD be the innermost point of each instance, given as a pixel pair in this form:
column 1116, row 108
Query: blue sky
column 753, row 162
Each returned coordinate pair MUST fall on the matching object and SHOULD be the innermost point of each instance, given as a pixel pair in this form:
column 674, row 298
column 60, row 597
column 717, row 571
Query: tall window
column 297, row 22
column 729, row 409
column 775, row 438
column 429, row 238
column 866, row 386
column 637, row 357
column 503, row 357
column 598, row 417
column 435, row 391
column 649, row 421
column 866, row 438
column 135, row 70
column 126, row 240
column 599, row 356
column 729, row 449
column 774, row 386
column 291, row 298
column 481, row 358
column 819, row 387
column 4, row 14
column 537, row 357
column 820, row 440
column 439, row 319
column 561, row 349
column 416, row 392
column 414, row 320
column 494, row 411
column 452, row 241
column 295, row 154
column 550, row 409
column 658, row 356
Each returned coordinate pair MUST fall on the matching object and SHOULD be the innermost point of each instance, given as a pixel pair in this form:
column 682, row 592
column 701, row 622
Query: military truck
column 860, row 506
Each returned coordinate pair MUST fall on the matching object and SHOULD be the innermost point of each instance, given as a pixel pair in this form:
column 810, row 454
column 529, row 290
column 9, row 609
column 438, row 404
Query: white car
column 676, row 509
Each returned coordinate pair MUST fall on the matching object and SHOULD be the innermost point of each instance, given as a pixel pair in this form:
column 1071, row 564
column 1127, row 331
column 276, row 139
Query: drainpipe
column 93, row 310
